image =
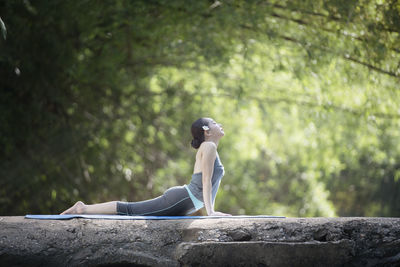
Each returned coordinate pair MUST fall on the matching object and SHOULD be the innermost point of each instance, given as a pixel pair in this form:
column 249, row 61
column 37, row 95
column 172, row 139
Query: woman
column 178, row 200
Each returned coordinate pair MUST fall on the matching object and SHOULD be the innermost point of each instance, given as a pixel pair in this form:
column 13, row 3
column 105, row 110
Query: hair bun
column 198, row 132
column 196, row 143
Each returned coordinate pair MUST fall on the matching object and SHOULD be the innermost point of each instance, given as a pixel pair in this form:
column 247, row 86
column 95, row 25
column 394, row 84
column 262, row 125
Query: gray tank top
column 196, row 184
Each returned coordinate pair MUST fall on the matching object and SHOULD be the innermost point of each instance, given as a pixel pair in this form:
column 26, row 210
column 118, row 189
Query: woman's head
column 205, row 128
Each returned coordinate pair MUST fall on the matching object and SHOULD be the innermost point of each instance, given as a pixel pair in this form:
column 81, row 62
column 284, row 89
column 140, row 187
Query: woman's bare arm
column 209, row 153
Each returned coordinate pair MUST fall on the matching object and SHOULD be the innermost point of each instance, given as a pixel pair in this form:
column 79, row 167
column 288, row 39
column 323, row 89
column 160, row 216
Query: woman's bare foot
column 78, row 208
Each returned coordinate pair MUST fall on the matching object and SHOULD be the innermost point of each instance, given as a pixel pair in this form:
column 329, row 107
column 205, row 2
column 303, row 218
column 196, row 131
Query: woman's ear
column 207, row 133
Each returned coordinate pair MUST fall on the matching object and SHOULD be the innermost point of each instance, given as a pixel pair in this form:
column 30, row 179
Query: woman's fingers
column 217, row 213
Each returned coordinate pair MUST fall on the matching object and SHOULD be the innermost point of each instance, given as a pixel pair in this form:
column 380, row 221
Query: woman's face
column 215, row 128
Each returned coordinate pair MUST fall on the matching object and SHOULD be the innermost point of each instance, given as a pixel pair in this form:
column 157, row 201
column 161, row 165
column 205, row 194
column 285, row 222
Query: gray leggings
column 174, row 202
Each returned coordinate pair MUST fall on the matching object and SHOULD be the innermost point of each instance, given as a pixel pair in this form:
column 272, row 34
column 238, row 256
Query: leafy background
column 97, row 99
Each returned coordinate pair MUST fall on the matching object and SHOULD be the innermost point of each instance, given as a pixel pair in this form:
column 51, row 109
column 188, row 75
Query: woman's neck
column 214, row 140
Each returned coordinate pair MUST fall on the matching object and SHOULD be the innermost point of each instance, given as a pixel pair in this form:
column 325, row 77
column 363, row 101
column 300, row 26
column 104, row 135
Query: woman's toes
column 78, row 208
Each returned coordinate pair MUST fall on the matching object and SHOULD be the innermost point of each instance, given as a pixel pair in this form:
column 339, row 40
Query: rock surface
column 205, row 242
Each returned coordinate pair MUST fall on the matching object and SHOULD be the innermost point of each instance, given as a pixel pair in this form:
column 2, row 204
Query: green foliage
column 97, row 99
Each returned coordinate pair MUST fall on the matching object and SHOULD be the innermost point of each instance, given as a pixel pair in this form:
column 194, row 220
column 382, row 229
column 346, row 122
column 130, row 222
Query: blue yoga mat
column 123, row 217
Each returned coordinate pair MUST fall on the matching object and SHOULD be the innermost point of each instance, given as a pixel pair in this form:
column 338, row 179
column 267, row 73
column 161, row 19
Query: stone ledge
column 261, row 253
column 219, row 242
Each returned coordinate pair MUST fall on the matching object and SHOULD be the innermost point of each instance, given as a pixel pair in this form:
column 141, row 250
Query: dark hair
column 198, row 132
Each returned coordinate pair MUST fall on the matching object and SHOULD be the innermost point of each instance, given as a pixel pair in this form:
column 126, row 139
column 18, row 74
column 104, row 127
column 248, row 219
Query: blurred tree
column 97, row 98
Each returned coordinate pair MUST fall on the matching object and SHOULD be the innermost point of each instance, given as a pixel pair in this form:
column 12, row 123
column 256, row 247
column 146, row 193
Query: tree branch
column 330, row 17
column 346, row 57
column 326, row 106
column 307, row 24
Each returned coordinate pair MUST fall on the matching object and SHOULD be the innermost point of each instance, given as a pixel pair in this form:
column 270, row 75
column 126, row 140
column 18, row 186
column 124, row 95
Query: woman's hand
column 217, row 213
